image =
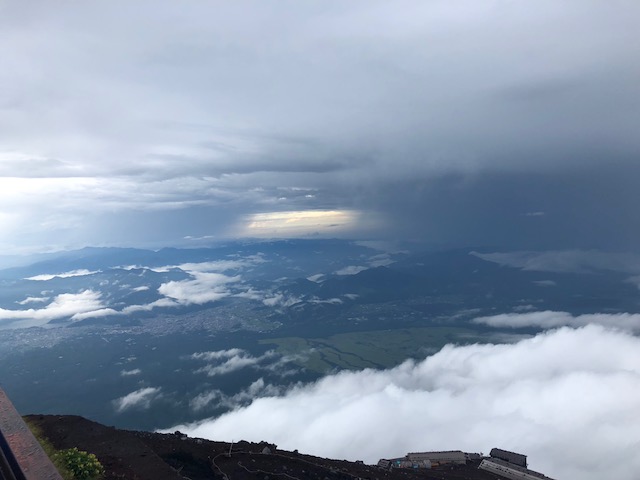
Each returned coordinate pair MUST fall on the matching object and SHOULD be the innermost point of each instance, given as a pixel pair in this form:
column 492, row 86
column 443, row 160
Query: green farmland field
column 373, row 349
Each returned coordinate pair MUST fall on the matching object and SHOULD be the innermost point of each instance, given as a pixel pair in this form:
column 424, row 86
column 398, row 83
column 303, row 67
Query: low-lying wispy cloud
column 29, row 300
column 280, row 300
column 523, row 308
column 72, row 305
column 223, row 265
column 566, row 398
column 216, row 398
column 566, row 261
column 140, row 399
column 100, row 313
column 380, row 260
column 270, row 298
column 162, row 269
column 635, row 280
column 147, row 307
column 218, row 354
column 130, row 373
column 351, row 270
column 210, row 266
column 226, row 361
column 545, row 283
column 73, row 273
column 108, row 311
column 551, row 319
column 330, row 301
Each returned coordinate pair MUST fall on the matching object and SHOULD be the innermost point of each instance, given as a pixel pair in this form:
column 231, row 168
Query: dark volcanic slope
column 153, row 456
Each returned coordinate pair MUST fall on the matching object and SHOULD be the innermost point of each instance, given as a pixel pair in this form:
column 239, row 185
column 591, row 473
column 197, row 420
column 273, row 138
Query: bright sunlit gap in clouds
column 301, row 223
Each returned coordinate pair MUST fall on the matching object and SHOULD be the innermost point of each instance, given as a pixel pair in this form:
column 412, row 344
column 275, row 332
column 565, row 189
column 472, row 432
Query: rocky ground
column 153, row 456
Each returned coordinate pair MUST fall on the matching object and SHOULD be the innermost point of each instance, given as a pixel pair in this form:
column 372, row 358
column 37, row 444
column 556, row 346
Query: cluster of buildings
column 505, row 464
column 430, row 459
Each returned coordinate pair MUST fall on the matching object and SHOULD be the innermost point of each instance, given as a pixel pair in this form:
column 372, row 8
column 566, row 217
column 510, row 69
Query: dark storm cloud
column 566, row 261
column 213, row 109
column 586, row 208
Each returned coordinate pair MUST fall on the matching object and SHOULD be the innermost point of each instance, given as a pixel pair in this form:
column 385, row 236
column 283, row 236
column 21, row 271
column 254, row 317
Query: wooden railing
column 21, row 456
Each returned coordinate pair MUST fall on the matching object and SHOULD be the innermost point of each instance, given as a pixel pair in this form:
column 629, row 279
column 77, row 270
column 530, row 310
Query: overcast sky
column 502, row 122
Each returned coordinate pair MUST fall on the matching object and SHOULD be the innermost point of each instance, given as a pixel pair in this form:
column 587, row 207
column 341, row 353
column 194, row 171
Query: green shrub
column 82, row 465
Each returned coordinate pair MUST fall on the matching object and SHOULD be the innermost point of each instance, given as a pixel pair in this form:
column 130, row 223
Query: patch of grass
column 49, row 449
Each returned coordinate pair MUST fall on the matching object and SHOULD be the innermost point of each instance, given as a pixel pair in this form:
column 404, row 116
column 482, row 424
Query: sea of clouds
column 568, row 398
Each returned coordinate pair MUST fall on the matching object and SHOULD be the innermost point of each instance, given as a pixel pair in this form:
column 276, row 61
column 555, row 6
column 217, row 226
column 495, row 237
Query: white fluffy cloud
column 72, row 305
column 140, row 399
column 74, row 273
column 567, row 398
column 202, row 288
column 551, row 319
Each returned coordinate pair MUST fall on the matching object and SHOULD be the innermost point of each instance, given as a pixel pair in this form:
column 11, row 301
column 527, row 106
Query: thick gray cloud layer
column 485, row 120
column 568, row 398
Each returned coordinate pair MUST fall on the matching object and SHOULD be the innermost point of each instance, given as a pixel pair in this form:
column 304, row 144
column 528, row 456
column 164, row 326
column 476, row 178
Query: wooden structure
column 21, row 456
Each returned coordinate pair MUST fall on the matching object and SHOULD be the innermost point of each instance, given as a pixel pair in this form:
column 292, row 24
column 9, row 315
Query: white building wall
column 507, row 472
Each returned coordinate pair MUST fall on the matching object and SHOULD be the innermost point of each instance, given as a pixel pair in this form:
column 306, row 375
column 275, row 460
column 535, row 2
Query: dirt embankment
column 153, row 456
